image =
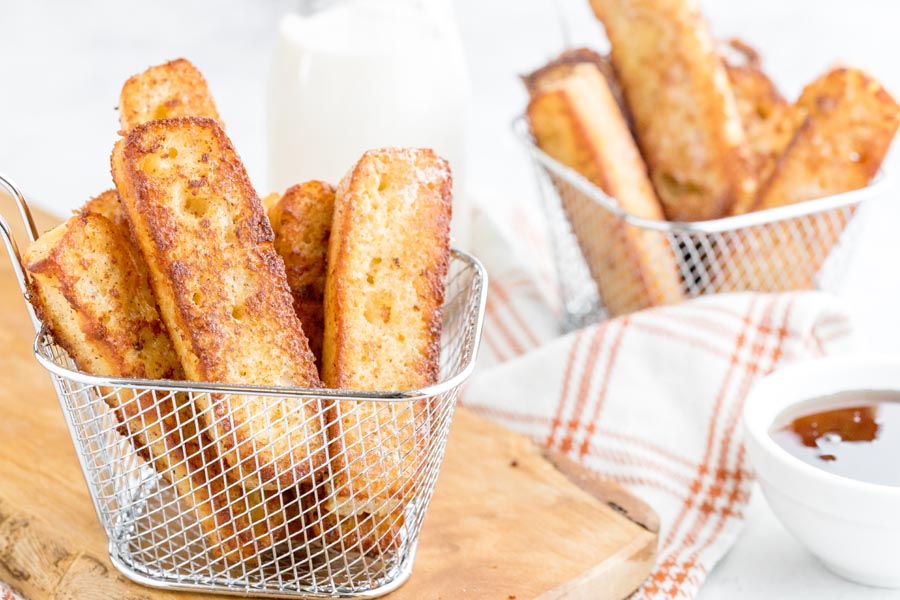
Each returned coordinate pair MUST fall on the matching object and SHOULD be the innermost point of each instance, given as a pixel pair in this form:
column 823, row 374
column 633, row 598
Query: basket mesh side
column 177, row 515
column 591, row 245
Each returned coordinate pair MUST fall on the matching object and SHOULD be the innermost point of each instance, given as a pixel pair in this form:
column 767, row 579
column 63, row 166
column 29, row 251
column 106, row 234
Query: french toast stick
column 76, row 271
column 173, row 89
column 574, row 119
column 564, row 67
column 301, row 220
column 850, row 122
column 769, row 120
column 90, row 286
column 107, row 205
column 684, row 111
column 222, row 292
column 177, row 89
column 847, row 121
column 270, row 201
column 387, row 262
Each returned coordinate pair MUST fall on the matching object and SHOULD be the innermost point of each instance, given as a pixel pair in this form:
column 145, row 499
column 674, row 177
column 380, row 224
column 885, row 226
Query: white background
column 62, row 65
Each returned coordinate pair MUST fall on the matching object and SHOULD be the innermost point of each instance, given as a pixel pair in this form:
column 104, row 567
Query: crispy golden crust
column 90, row 286
column 756, row 95
column 769, row 121
column 576, row 121
column 301, row 220
column 567, row 65
column 222, row 292
column 78, row 271
column 270, row 201
column 683, row 109
column 850, row 121
column 563, row 66
column 387, row 263
column 174, row 89
column 107, row 205
column 840, row 129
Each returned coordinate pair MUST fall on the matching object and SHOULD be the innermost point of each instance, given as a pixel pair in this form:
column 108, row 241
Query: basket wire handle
column 10, row 242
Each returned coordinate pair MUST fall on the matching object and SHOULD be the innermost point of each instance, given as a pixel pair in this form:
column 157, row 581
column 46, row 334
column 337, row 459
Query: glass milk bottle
column 362, row 74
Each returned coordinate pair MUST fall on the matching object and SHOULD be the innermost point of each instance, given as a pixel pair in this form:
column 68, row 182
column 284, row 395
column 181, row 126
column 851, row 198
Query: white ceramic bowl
column 852, row 526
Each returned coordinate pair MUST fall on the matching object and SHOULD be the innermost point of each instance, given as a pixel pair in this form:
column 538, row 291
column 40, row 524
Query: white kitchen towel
column 651, row 400
column 6, row 593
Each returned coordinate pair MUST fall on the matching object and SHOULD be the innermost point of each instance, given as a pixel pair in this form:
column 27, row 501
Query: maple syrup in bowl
column 824, row 439
column 853, row 434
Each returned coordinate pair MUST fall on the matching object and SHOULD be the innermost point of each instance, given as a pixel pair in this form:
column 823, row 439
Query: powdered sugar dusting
column 425, row 168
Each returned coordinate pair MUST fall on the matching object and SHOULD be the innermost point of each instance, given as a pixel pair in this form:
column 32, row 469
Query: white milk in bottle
column 364, row 74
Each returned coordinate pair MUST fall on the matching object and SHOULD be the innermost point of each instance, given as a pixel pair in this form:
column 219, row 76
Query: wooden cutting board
column 506, row 521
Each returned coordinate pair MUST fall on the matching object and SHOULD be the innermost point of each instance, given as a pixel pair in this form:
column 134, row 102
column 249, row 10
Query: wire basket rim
column 878, row 185
column 141, row 517
column 458, row 378
column 194, row 587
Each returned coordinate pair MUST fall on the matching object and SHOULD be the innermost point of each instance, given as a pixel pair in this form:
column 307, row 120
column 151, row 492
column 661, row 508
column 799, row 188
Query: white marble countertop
column 63, row 64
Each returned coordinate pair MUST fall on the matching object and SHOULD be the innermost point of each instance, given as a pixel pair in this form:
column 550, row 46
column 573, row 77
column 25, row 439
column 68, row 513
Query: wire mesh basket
column 610, row 262
column 179, row 516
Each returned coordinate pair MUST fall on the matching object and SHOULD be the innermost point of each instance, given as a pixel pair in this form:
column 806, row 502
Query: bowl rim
column 761, row 409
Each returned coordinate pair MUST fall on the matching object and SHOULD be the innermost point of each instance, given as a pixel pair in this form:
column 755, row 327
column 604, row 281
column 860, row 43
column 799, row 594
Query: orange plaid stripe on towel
column 651, row 400
column 6, row 593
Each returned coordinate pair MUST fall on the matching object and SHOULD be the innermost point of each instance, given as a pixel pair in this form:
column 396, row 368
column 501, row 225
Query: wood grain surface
column 507, row 520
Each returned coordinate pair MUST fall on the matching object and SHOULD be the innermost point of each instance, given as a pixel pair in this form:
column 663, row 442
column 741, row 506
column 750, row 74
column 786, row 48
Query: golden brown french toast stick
column 841, row 128
column 222, row 292
column 850, row 121
column 769, row 121
column 90, row 286
column 107, row 205
column 301, row 220
column 387, row 263
column 566, row 65
column 575, row 119
column 683, row 109
column 79, row 273
column 173, row 89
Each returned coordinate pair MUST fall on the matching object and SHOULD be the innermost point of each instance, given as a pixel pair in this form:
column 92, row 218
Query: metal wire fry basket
column 178, row 516
column 610, row 262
